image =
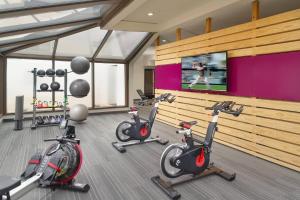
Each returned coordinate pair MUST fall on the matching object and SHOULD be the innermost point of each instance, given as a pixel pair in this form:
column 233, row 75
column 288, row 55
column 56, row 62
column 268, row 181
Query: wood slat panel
column 277, row 134
column 267, row 128
column 267, row 43
column 279, row 125
column 167, row 119
column 276, row 19
column 277, row 48
column 239, row 52
column 276, row 144
column 279, row 18
column 168, row 61
column 279, row 33
column 278, row 38
column 278, row 28
column 274, row 114
column 279, row 155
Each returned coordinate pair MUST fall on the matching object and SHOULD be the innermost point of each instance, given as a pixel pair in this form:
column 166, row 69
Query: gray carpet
column 115, row 176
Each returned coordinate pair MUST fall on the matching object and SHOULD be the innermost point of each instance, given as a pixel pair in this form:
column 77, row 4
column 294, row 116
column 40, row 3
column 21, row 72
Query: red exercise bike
column 140, row 129
column 193, row 156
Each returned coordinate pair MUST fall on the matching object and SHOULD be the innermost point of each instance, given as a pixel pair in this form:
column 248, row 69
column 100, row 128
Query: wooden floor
column 116, row 176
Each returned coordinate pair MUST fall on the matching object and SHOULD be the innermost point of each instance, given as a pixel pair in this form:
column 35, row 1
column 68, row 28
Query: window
column 109, row 85
column 20, row 82
column 42, row 49
column 83, row 43
column 71, row 77
column 120, row 44
column 50, row 18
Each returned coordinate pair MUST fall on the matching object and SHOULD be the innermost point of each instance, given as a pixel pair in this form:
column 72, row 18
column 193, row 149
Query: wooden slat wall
column 279, row 33
column 266, row 129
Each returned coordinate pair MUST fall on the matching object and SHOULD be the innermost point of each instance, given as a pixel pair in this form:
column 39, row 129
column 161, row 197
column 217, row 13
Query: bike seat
column 8, row 183
column 188, row 125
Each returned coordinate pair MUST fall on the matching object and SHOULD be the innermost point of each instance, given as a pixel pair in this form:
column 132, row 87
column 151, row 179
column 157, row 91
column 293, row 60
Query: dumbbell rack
column 34, row 124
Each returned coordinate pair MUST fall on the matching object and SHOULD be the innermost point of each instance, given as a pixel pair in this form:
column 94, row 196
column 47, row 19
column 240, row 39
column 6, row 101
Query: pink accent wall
column 271, row 76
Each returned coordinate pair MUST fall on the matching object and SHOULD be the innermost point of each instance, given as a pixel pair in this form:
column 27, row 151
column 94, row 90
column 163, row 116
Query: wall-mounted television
column 205, row 72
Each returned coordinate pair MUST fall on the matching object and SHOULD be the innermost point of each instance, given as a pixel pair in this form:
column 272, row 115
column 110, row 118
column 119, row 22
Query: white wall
column 136, row 72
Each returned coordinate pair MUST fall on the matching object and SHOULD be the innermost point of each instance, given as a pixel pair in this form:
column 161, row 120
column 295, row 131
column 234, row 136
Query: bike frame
column 137, row 124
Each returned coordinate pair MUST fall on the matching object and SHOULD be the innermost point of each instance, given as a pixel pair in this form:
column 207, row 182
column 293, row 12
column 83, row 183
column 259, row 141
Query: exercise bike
column 193, row 156
column 140, row 129
column 56, row 167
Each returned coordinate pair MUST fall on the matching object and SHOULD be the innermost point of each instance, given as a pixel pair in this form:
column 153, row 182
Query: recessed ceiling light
column 150, row 14
column 164, row 41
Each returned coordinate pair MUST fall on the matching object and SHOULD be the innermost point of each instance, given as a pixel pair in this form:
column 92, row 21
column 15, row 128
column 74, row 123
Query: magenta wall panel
column 168, row 77
column 271, row 76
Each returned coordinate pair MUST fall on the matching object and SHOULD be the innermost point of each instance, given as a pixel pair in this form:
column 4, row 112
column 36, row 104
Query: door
column 149, row 83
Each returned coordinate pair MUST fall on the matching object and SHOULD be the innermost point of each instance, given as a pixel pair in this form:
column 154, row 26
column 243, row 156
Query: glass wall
column 109, row 85
column 120, row 44
column 20, row 82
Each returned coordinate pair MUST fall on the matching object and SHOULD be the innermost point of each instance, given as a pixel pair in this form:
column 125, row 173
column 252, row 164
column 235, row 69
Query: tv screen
column 205, row 72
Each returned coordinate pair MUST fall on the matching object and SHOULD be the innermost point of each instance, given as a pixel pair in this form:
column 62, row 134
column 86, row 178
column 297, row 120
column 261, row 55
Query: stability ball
column 80, row 65
column 79, row 88
column 55, row 86
column 78, row 112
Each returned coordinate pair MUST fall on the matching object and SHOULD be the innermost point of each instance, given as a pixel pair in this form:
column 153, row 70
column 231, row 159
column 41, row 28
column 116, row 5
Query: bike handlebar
column 226, row 107
column 61, row 140
column 168, row 97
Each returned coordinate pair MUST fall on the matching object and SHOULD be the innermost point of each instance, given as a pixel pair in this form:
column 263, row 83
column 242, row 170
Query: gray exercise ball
column 80, row 65
column 78, row 112
column 79, row 88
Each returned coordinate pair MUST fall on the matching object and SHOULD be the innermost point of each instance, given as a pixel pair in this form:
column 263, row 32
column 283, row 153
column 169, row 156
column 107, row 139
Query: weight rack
column 34, row 124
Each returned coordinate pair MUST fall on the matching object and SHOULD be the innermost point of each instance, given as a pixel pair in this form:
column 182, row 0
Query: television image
column 205, row 72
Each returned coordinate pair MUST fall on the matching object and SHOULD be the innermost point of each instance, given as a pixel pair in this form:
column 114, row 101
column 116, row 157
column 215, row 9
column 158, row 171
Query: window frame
column 92, row 62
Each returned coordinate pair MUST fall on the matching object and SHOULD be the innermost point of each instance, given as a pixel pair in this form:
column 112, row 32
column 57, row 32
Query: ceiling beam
column 108, row 33
column 178, row 34
column 63, row 58
column 157, row 41
column 53, row 7
column 107, row 60
column 255, row 10
column 122, row 12
column 207, row 27
column 26, row 43
column 77, row 30
column 28, row 56
column 49, row 27
column 139, row 47
column 114, row 11
column 48, row 38
column 54, row 49
column 18, row 48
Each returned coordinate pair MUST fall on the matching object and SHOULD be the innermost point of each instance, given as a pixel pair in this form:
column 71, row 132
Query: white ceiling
column 190, row 15
column 167, row 13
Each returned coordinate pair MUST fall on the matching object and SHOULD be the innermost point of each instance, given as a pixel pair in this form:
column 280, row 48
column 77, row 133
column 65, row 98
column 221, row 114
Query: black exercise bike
column 56, row 167
column 193, row 156
column 140, row 129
